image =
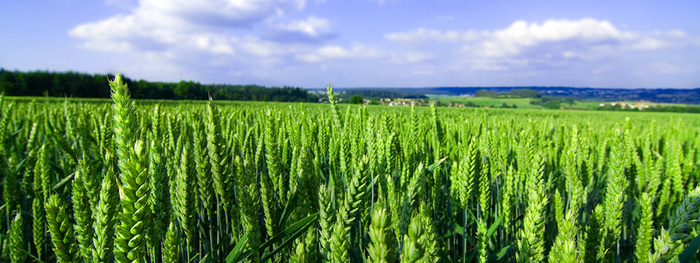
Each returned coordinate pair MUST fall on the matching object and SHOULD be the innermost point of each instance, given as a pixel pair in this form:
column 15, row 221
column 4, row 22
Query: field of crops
column 135, row 182
column 520, row 103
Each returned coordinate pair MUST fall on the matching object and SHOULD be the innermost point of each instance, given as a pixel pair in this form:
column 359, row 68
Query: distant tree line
column 81, row 85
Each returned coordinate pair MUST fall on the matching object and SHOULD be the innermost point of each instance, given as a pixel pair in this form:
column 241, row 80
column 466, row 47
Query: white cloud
column 649, row 44
column 520, row 35
column 312, row 26
column 534, row 48
column 567, row 38
column 422, row 36
column 158, row 25
column 222, row 12
column 262, row 48
column 253, row 41
column 557, row 30
column 411, row 57
column 311, row 29
column 179, row 39
column 357, row 51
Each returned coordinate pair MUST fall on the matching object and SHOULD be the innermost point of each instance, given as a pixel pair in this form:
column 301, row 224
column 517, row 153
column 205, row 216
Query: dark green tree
column 357, row 99
column 525, row 93
column 484, row 93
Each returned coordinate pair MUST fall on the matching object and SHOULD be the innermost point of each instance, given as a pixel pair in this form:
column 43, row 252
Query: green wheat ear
column 134, row 218
column 186, row 192
column 644, row 229
column 124, row 124
column 17, row 246
column 217, row 154
column 381, row 249
column 83, row 215
column 564, row 247
column 64, row 244
column 11, row 191
column 171, row 244
column 38, row 226
column 268, row 182
column 668, row 244
column 249, row 195
column 160, row 204
column 41, row 171
column 531, row 243
column 413, row 246
column 130, row 241
column 326, row 218
column 105, row 220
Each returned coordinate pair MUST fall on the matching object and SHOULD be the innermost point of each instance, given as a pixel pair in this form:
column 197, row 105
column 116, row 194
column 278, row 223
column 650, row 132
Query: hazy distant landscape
column 82, row 85
column 660, row 95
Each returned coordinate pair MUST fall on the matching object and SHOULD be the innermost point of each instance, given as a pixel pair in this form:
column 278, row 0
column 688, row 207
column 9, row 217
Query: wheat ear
column 64, row 244
column 17, row 253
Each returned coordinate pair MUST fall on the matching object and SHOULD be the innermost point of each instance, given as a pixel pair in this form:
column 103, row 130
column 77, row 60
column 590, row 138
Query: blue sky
column 361, row 43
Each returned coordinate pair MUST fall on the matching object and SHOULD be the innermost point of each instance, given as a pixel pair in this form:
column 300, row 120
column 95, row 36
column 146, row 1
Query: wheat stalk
column 429, row 238
column 249, row 195
column 64, row 244
column 38, row 226
column 354, row 199
column 614, row 194
column 269, row 183
column 574, row 186
column 217, row 155
column 91, row 182
column 171, row 251
column 83, row 216
column 564, row 247
column 134, row 217
column 644, row 229
column 667, row 244
column 10, row 189
column 105, row 219
column 414, row 248
column 159, row 201
column 381, row 248
column 326, row 218
column 531, row 243
column 17, row 253
column 185, row 185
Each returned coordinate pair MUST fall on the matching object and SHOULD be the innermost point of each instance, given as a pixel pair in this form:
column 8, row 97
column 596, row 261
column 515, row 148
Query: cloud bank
column 274, row 39
column 585, row 38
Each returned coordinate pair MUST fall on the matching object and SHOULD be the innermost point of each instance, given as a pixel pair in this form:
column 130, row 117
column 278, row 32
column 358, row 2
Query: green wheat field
column 126, row 181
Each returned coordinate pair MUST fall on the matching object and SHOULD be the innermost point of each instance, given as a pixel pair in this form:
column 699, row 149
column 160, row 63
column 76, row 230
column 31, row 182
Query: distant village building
column 623, row 105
